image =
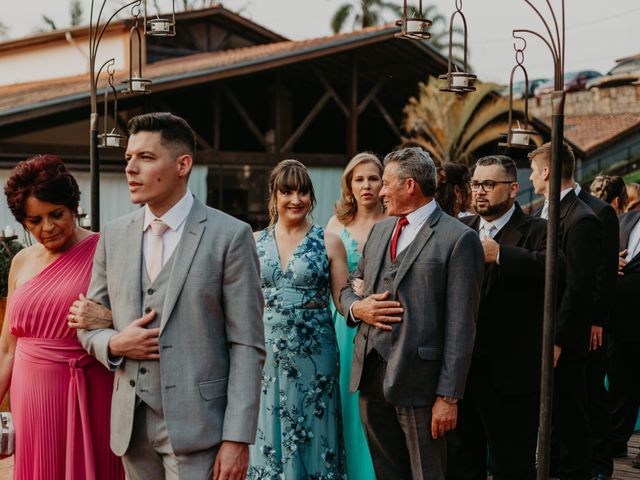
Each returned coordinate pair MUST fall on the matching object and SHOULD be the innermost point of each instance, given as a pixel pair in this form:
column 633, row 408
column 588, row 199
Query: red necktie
column 402, row 222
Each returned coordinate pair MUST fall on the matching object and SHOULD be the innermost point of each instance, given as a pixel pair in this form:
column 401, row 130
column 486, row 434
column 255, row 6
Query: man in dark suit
column 580, row 238
column 624, row 341
column 598, row 405
column 504, row 379
column 422, row 272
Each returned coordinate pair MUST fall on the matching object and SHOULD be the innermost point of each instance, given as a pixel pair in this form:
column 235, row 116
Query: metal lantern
column 458, row 81
column 520, row 135
column 111, row 138
column 160, row 26
column 135, row 83
column 414, row 26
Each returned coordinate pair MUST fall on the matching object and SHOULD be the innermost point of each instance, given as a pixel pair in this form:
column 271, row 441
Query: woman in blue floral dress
column 358, row 209
column 299, row 432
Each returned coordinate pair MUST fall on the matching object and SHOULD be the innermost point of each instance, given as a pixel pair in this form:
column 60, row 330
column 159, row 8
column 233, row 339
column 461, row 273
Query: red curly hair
column 46, row 178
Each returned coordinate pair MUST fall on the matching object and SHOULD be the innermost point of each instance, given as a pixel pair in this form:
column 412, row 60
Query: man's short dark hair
column 413, row 162
column 175, row 132
column 567, row 158
column 507, row 164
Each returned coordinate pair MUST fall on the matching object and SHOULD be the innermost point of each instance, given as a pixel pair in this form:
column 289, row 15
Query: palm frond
column 340, row 17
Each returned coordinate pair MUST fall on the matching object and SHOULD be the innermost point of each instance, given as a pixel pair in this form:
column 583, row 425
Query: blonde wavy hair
column 346, row 207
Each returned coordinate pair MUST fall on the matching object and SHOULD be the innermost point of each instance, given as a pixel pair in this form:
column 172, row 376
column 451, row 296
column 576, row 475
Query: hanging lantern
column 457, row 81
column 160, row 26
column 413, row 23
column 520, row 135
column 111, row 139
column 135, row 83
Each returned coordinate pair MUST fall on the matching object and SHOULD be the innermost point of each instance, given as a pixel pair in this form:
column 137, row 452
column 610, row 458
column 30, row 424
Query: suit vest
column 380, row 340
column 149, row 385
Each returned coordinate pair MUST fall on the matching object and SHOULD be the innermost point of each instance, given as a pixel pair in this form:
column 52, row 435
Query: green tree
column 75, row 17
column 4, row 30
column 452, row 128
column 367, row 13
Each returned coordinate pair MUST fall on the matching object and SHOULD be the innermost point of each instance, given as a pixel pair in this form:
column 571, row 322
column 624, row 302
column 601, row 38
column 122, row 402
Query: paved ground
column 623, row 468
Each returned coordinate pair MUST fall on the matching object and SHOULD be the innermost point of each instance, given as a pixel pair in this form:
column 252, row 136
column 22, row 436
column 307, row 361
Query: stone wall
column 625, row 99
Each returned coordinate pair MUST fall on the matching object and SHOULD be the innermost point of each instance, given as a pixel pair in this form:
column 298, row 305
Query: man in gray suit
column 187, row 340
column 422, row 272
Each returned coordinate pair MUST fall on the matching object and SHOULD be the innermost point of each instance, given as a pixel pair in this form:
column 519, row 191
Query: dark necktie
column 402, row 222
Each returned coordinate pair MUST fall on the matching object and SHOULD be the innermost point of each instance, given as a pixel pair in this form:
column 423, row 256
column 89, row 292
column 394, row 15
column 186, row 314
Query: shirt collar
column 577, row 188
column 420, row 215
column 564, row 192
column 500, row 222
column 175, row 216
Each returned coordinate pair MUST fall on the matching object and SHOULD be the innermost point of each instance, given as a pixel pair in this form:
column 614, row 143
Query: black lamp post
column 158, row 26
column 555, row 41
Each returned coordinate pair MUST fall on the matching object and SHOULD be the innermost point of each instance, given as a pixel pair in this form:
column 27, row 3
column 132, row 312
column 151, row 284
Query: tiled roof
column 594, row 131
column 16, row 98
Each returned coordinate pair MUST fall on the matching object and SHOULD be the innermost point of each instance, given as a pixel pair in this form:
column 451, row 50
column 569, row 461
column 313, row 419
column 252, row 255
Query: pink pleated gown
column 60, row 396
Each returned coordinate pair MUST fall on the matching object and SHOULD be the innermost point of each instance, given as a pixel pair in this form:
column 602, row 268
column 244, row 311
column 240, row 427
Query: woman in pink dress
column 60, row 396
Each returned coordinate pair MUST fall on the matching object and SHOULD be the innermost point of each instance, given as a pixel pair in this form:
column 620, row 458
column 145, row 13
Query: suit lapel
column 510, row 234
column 131, row 248
column 416, row 246
column 379, row 249
column 185, row 251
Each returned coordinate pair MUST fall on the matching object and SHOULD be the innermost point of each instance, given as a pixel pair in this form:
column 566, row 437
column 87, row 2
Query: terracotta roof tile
column 15, row 97
column 589, row 132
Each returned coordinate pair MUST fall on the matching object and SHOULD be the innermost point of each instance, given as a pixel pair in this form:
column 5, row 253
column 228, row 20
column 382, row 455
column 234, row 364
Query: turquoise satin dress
column 359, row 465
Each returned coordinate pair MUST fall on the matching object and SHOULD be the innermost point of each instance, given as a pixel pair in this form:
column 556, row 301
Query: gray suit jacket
column 211, row 331
column 438, row 284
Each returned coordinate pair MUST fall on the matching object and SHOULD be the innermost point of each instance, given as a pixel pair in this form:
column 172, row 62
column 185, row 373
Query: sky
column 597, row 33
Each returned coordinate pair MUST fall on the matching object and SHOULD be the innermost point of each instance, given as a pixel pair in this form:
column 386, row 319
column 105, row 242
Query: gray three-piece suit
column 205, row 388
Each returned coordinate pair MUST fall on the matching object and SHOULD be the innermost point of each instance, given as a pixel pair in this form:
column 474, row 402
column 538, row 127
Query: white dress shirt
column 408, row 234
column 416, row 220
column 498, row 224
column 545, row 209
column 633, row 247
column 175, row 219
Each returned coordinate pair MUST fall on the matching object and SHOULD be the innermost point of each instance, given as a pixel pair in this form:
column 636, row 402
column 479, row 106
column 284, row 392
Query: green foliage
column 5, row 263
column 633, row 177
column 50, row 25
column 366, row 13
column 4, row 31
column 75, row 11
column 452, row 128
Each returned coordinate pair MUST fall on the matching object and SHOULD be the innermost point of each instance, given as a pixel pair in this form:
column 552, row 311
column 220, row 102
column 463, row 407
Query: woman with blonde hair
column 358, row 209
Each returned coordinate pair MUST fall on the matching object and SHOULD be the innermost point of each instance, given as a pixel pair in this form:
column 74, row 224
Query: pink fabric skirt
column 61, row 403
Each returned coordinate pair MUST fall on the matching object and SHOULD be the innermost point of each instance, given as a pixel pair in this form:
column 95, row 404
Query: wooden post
column 352, row 135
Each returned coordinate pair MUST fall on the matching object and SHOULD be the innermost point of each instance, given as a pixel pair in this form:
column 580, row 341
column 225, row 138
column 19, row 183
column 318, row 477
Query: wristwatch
column 450, row 400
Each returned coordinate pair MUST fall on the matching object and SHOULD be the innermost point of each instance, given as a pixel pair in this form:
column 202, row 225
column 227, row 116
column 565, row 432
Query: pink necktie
column 154, row 257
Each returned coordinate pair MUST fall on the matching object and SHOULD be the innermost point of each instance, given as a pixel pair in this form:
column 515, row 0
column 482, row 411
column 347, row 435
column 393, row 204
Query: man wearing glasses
column 500, row 407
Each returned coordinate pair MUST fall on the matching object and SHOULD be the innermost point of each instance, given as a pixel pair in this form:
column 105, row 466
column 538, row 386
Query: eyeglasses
column 487, row 185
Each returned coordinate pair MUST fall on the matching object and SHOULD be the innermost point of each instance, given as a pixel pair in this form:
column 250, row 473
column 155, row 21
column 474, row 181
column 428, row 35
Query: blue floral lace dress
column 299, row 433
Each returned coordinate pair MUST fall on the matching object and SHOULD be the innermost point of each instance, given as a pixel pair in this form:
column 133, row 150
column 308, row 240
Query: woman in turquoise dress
column 358, row 209
column 299, row 426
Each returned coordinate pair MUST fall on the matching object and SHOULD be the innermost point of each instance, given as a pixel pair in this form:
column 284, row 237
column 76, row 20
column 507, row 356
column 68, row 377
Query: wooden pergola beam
column 387, row 117
column 371, row 95
column 306, row 122
column 247, row 118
